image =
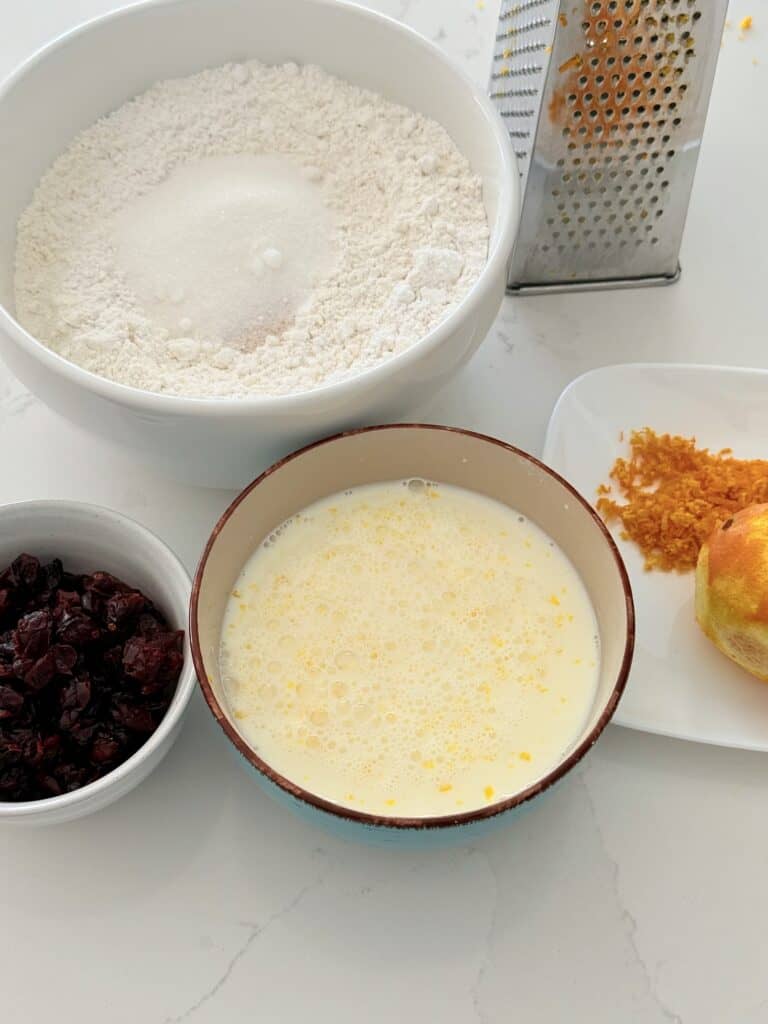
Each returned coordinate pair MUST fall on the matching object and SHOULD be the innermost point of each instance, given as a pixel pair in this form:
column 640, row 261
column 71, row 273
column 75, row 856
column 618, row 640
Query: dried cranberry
column 13, row 780
column 80, row 731
column 11, row 702
column 87, row 671
column 153, row 662
column 9, row 748
column 66, row 658
column 52, row 573
column 21, row 666
column 105, row 584
column 41, row 672
column 122, row 607
column 137, row 719
column 7, row 647
column 33, row 634
column 50, row 785
column 76, row 695
column 66, row 600
column 77, row 628
column 22, row 572
column 30, row 747
column 105, row 749
column 71, row 777
column 51, row 747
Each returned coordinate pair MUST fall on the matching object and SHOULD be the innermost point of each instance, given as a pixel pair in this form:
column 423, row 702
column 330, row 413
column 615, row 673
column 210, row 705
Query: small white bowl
column 86, row 73
column 88, row 538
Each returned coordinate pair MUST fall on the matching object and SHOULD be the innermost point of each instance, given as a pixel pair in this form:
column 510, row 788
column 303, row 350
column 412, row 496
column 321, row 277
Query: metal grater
column 605, row 102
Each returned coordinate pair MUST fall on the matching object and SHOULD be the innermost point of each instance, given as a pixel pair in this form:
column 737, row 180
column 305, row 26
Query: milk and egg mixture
column 408, row 649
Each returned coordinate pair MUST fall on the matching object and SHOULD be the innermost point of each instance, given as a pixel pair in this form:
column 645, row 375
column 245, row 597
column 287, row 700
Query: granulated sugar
column 228, row 247
column 248, row 230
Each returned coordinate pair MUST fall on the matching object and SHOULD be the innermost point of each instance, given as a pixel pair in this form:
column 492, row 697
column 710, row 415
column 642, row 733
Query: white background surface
column 634, row 893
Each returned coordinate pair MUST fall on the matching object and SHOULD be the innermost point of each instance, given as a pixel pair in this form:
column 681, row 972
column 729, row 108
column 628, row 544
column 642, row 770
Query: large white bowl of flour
column 300, row 257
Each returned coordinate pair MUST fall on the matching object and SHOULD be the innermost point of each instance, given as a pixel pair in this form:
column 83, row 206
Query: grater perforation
column 522, row 69
column 514, row 31
column 517, row 51
column 512, row 10
column 607, row 127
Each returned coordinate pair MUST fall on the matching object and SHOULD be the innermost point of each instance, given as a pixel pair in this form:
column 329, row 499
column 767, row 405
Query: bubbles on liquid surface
column 441, row 644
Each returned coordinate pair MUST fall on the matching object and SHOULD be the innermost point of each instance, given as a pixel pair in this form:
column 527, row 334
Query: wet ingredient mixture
column 409, row 648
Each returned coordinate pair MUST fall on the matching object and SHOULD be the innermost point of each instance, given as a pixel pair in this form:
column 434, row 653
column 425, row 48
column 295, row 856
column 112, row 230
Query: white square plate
column 680, row 684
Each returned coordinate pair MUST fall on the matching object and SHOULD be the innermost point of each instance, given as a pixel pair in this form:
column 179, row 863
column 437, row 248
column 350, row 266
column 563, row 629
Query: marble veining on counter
column 634, row 894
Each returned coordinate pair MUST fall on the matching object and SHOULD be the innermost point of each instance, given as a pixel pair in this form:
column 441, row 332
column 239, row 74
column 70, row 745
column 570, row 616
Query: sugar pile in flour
column 248, row 230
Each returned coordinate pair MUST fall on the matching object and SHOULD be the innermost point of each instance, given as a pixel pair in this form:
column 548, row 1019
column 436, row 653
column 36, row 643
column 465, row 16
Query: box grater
column 605, row 102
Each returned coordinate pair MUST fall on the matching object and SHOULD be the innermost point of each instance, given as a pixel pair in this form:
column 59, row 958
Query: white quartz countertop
column 635, row 892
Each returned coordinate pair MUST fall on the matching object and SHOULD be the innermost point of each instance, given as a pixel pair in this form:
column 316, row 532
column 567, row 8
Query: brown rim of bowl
column 384, row 821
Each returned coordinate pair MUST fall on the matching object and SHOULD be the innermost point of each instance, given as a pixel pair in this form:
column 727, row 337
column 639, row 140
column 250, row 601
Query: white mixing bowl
column 97, row 67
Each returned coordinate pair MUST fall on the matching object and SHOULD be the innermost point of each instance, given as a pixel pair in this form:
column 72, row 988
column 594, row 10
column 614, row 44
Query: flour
column 248, row 230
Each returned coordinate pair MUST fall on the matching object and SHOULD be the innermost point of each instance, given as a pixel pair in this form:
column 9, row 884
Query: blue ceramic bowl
column 450, row 456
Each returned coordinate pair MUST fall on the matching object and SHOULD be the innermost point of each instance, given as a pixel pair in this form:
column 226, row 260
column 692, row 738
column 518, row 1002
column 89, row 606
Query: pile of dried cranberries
column 88, row 667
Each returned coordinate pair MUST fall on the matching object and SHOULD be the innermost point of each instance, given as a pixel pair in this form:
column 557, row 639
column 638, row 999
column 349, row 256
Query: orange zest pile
column 675, row 494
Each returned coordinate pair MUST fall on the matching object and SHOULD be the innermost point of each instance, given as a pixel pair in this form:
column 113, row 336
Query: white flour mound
column 404, row 235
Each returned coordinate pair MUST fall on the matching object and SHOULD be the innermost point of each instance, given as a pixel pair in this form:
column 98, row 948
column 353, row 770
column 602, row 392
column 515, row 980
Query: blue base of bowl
column 381, row 835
